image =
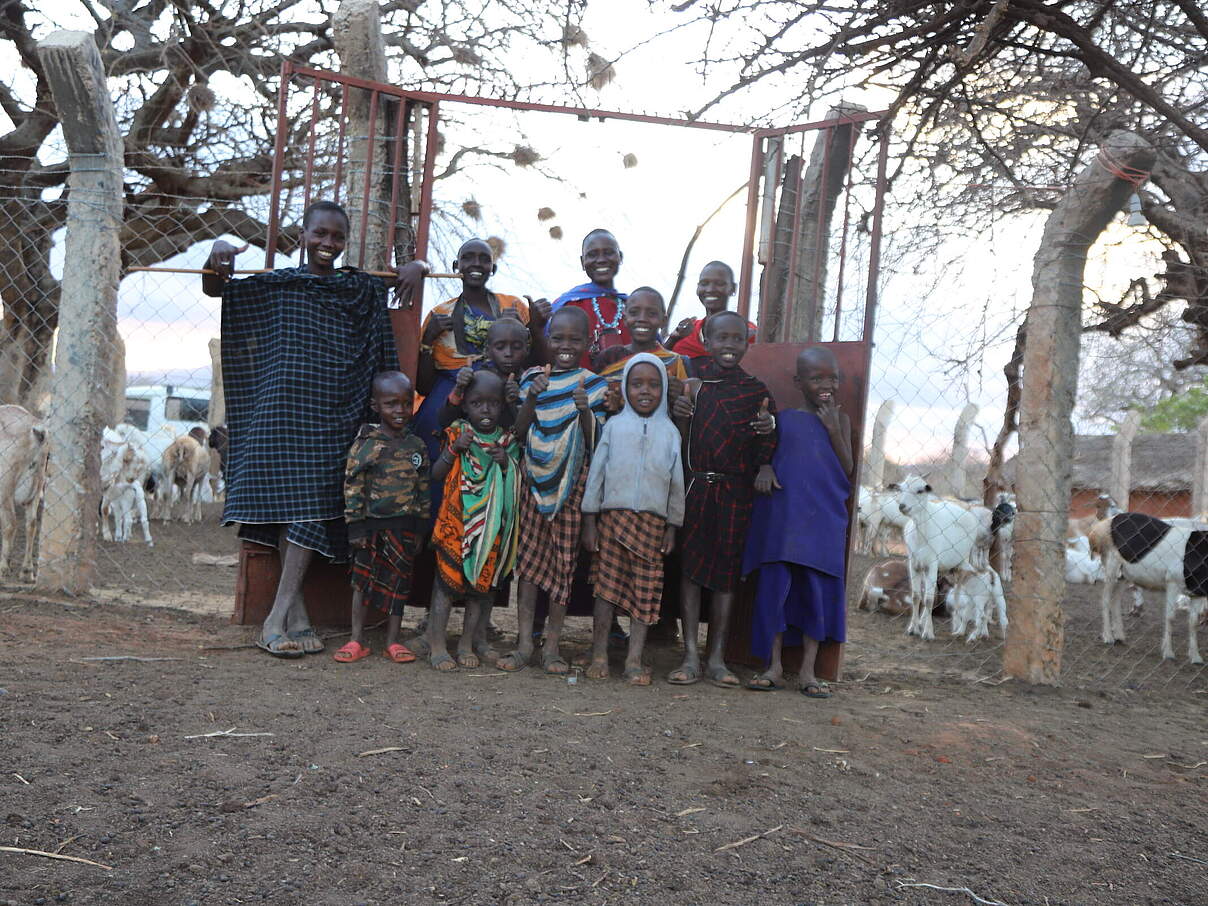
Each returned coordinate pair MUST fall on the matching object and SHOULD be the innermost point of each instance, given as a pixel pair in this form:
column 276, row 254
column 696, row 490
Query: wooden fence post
column 873, row 470
column 1199, row 478
column 217, row 411
column 1119, row 482
column 81, row 397
column 1050, row 377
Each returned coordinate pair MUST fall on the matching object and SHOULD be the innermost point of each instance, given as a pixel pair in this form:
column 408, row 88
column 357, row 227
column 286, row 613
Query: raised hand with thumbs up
column 764, row 421
column 582, row 403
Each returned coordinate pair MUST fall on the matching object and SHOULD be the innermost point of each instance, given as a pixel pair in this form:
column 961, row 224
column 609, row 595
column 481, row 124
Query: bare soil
column 518, row 789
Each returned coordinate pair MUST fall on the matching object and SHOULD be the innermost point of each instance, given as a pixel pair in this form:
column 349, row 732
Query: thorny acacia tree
column 1015, row 93
column 195, row 86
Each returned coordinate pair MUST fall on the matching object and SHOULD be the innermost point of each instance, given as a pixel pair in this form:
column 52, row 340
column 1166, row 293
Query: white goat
column 1081, row 566
column 119, row 503
column 943, row 536
column 1152, row 553
column 879, row 517
column 124, row 472
column 974, row 593
column 23, row 457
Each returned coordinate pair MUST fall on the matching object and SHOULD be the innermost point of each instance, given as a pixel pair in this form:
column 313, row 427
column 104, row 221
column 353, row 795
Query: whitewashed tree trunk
column 81, row 398
column 1050, row 377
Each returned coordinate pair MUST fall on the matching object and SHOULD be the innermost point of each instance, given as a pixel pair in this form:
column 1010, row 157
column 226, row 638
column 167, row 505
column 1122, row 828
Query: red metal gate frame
column 405, row 322
column 431, row 101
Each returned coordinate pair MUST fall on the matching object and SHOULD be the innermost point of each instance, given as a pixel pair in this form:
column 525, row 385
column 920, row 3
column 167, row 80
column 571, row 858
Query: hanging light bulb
column 1135, row 217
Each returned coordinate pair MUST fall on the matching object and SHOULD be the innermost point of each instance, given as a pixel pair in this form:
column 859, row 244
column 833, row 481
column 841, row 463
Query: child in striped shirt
column 562, row 412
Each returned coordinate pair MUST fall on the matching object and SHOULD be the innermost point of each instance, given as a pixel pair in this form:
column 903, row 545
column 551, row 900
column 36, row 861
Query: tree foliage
column 195, row 87
column 1181, row 412
column 1000, row 102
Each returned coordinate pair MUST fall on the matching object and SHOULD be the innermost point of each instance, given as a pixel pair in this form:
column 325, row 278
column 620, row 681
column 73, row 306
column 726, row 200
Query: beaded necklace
column 595, row 307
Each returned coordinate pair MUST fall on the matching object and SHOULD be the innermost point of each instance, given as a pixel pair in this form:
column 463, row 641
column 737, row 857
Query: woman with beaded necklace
column 599, row 299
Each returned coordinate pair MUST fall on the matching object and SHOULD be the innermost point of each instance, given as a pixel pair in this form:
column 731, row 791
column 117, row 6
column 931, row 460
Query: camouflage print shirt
column 386, row 478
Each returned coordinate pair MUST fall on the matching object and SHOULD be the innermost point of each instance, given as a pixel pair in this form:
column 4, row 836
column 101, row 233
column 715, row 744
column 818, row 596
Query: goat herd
column 178, row 468
column 948, row 544
column 947, row 541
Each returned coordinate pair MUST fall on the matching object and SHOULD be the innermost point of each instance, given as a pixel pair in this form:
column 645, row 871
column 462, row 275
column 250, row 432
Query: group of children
column 551, row 428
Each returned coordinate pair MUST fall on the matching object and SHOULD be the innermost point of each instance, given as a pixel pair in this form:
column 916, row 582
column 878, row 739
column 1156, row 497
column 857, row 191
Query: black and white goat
column 1155, row 554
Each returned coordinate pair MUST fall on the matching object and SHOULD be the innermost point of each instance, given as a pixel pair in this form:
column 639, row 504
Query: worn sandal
column 815, row 690
column 273, row 645
column 351, row 651
column 400, row 654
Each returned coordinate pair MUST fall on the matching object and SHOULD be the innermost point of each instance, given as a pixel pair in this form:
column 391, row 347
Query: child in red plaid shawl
column 633, row 502
column 386, row 507
column 730, row 437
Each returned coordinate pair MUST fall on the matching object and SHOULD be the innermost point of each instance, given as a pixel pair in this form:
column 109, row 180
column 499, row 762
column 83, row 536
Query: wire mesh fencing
column 926, row 448
column 1119, row 561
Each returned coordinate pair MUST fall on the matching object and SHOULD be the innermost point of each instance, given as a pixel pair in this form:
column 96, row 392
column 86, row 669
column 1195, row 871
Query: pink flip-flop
column 400, row 654
column 352, row 651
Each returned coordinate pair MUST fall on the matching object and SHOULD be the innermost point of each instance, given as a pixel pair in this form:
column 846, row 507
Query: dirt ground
column 376, row 783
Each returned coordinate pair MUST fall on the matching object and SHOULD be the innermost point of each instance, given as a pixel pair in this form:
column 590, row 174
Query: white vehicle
column 151, row 408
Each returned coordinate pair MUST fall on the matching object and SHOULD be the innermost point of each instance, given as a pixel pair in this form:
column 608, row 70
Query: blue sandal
column 271, row 646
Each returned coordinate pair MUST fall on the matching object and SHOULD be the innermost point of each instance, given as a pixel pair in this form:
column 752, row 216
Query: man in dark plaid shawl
column 300, row 347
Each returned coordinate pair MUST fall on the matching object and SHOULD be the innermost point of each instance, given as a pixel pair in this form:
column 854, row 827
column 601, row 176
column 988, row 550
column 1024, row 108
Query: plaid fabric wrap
column 549, row 548
column 717, row 513
column 382, row 572
column 327, row 537
column 298, row 355
column 627, row 571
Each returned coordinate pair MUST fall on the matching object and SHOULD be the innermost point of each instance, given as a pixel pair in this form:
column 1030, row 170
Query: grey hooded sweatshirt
column 637, row 465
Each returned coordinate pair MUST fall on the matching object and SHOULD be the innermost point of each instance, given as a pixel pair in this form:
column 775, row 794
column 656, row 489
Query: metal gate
column 374, row 146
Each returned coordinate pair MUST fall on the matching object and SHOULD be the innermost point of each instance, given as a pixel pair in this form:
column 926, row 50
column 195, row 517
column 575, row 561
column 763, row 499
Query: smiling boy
column 562, row 411
column 727, row 421
column 386, row 508
column 300, row 347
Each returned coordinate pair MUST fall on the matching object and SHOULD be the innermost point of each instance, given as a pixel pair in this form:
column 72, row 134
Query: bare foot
column 598, row 669
column 467, row 659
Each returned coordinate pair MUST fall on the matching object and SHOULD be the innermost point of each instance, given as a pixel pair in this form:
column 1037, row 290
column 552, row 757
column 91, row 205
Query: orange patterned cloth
column 449, row 532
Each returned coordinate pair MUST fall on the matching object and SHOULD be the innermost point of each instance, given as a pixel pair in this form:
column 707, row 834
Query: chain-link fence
column 161, row 542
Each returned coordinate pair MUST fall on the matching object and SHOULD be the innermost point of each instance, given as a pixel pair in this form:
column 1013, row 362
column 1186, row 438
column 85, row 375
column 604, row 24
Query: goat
column 1081, row 566
column 1154, row 554
column 943, row 536
column 886, row 589
column 974, row 591
column 186, row 465
column 119, row 503
column 23, row 458
column 1005, row 509
column 124, row 471
column 879, row 516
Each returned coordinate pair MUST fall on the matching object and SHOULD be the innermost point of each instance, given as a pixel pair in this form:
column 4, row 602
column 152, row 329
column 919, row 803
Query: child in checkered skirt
column 559, row 421
column 633, row 502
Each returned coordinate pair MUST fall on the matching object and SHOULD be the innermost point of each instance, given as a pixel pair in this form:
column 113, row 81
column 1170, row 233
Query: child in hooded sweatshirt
column 632, row 505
